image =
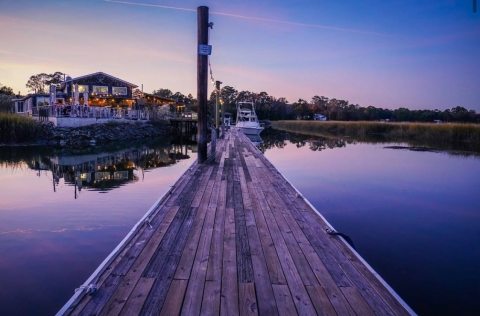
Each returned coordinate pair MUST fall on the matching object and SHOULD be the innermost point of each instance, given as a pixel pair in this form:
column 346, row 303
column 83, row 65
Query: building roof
column 157, row 98
column 104, row 74
column 31, row 95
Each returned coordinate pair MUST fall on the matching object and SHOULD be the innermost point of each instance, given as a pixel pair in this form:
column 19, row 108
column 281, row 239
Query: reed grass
column 456, row 136
column 18, row 129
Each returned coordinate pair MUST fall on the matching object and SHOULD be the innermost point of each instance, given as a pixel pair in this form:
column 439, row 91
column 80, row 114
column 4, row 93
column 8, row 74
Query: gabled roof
column 31, row 95
column 106, row 75
column 158, row 98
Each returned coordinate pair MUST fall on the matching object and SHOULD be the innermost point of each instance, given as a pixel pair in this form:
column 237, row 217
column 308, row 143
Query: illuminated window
column 100, row 90
column 119, row 90
column 82, row 88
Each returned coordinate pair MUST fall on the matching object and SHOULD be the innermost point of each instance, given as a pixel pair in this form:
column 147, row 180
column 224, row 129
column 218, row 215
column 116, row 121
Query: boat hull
column 251, row 130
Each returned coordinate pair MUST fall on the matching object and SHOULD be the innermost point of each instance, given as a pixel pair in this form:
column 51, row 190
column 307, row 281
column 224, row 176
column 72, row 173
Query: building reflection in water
column 108, row 170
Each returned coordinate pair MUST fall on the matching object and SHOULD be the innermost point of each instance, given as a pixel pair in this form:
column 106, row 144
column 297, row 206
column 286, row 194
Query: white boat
column 247, row 120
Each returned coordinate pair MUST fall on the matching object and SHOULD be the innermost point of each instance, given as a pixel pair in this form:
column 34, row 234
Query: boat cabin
column 319, row 117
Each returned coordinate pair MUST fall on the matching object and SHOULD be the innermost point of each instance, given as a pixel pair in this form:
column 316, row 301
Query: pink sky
column 421, row 56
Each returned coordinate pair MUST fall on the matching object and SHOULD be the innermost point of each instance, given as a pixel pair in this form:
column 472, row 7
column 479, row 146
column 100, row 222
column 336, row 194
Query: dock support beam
column 202, row 80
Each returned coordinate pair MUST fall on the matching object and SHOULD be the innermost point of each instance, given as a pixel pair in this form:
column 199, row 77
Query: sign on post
column 204, row 49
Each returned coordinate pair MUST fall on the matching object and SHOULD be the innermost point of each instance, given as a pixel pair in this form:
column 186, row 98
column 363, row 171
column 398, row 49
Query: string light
column 211, row 72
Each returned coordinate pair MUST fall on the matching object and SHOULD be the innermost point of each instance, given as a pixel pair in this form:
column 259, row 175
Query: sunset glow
column 419, row 54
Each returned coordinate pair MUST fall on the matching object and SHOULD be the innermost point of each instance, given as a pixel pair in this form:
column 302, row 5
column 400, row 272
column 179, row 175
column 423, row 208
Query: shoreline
column 93, row 135
column 462, row 137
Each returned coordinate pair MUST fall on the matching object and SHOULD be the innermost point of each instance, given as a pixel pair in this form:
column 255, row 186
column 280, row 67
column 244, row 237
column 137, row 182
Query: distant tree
column 461, row 114
column 228, row 98
column 228, row 95
column 55, row 78
column 191, row 99
column 6, row 90
column 40, row 82
column 179, row 97
column 191, row 103
column 246, row 96
column 402, row 115
column 164, row 93
column 281, row 110
column 264, row 105
column 37, row 82
column 269, row 107
column 301, row 109
column 319, row 104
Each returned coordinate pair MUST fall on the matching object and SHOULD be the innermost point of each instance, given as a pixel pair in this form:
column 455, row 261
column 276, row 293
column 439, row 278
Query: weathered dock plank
column 235, row 238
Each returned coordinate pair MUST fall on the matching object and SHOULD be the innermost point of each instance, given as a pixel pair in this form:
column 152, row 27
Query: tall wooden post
column 202, row 80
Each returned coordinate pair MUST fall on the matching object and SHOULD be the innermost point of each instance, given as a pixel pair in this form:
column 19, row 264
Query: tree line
column 271, row 108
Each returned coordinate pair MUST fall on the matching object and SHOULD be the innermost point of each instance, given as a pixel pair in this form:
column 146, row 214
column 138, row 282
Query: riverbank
column 20, row 129
column 23, row 131
column 448, row 136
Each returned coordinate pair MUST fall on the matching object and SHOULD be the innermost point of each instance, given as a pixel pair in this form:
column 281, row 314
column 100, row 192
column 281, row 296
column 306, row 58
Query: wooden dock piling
column 202, row 82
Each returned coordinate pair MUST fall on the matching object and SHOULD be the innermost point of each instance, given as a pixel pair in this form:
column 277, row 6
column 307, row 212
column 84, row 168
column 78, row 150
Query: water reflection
column 44, row 229
column 272, row 138
column 101, row 170
column 414, row 213
column 278, row 139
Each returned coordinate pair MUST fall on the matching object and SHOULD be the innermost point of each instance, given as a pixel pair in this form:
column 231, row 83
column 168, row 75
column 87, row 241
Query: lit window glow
column 100, row 89
column 119, row 90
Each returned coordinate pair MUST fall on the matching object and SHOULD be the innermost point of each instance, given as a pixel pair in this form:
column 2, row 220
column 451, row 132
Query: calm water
column 414, row 216
column 61, row 215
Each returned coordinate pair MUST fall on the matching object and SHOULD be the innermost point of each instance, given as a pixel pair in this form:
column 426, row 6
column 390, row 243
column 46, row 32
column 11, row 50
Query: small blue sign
column 204, row 49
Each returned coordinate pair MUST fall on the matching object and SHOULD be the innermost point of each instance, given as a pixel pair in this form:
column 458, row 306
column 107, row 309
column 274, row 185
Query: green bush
column 6, row 104
column 16, row 129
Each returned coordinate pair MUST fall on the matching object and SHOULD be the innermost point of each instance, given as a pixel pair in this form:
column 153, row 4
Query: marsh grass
column 17, row 129
column 450, row 136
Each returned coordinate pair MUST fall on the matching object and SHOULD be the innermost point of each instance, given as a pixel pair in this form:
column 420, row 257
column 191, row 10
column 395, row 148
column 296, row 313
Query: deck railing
column 81, row 111
column 105, row 112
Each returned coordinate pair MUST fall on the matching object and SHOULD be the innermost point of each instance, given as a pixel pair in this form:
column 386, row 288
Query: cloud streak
column 251, row 18
column 142, row 4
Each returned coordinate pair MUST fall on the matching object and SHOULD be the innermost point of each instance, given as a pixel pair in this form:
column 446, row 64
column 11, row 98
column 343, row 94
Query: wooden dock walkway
column 234, row 238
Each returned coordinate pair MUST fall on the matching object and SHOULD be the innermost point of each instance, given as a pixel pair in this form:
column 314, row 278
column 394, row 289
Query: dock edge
column 80, row 291
column 407, row 308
